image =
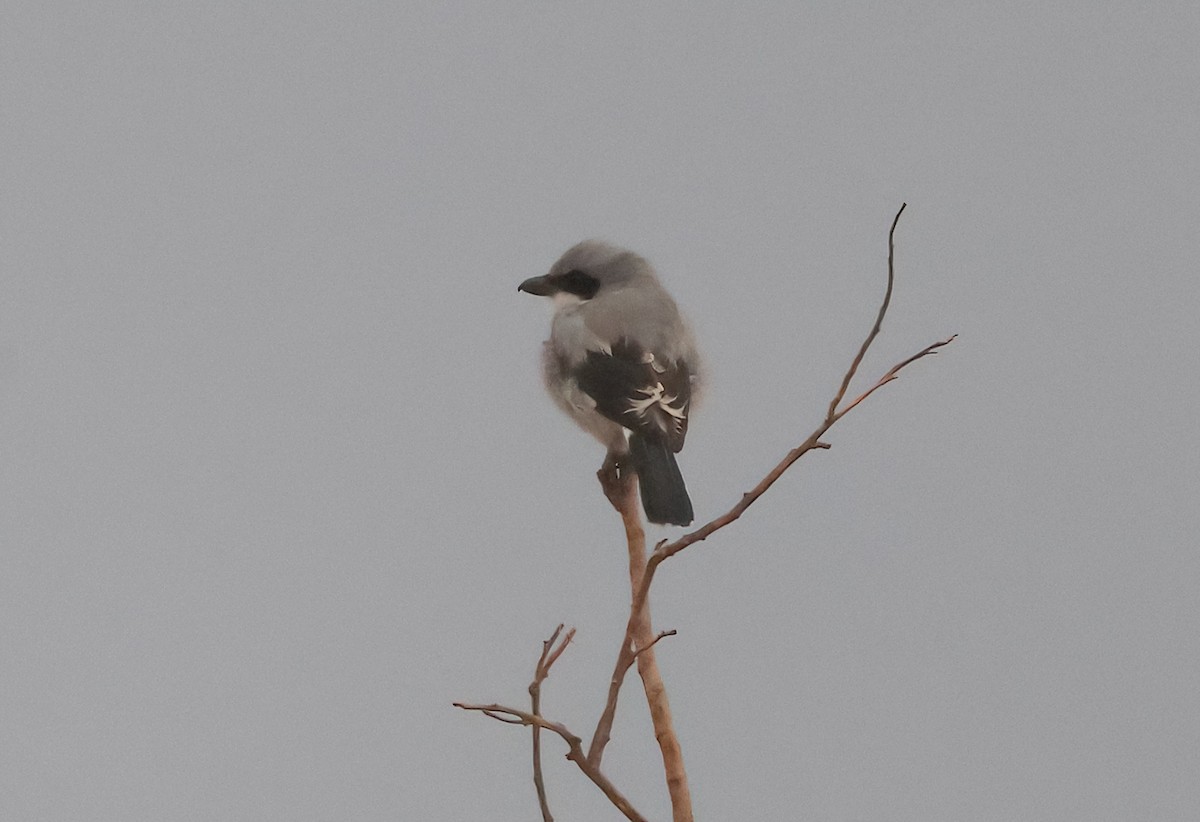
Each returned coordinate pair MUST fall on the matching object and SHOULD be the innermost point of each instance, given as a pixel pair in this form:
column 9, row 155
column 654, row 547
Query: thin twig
column 892, row 374
column 557, row 652
column 661, row 635
column 505, row 719
column 574, row 745
column 550, row 653
column 887, row 300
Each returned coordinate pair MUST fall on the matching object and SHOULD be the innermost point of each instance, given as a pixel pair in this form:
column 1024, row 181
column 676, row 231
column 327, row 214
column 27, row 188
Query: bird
column 622, row 363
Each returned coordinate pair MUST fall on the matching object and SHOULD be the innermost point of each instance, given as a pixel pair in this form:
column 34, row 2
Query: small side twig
column 550, row 654
column 661, row 635
column 575, row 750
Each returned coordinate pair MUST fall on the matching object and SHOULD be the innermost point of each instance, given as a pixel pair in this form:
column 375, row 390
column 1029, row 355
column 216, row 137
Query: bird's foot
column 615, row 475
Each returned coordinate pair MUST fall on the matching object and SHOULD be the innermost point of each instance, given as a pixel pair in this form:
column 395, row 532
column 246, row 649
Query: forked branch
column 551, row 650
column 665, row 549
column 574, row 752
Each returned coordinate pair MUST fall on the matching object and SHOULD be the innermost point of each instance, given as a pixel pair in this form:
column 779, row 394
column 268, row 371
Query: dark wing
column 635, row 390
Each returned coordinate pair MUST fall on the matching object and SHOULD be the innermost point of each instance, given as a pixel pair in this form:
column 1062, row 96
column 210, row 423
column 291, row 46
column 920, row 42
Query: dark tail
column 664, row 496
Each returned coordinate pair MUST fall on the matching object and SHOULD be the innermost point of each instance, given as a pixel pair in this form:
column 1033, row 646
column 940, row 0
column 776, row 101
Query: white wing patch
column 657, row 397
column 648, row 359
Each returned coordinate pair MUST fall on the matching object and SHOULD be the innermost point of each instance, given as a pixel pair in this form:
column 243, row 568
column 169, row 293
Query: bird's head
column 585, row 270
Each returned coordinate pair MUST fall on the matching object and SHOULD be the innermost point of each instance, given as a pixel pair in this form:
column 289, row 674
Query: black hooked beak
column 538, row 286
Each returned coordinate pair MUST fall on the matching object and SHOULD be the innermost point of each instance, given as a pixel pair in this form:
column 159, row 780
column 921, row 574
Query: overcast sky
column 278, row 480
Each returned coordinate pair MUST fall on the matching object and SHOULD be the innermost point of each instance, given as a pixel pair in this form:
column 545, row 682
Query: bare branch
column 887, row 300
column 547, row 645
column 661, row 635
column 550, row 653
column 506, row 719
column 548, row 661
column 814, row 439
column 665, row 550
column 621, row 489
column 603, row 732
column 892, row 374
column 574, row 745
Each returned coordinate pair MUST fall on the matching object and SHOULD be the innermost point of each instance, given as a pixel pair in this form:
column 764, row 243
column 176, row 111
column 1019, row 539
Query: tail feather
column 664, row 496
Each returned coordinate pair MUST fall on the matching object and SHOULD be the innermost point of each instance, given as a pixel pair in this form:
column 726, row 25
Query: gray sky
column 280, row 483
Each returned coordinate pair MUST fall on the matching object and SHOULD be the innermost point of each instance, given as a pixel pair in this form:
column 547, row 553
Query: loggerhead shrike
column 621, row 362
